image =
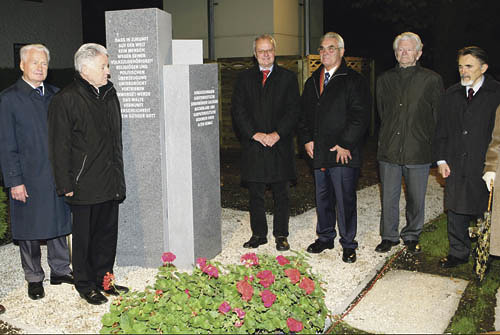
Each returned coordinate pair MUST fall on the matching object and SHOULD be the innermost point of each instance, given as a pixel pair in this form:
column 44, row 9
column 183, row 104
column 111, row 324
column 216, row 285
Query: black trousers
column 458, row 234
column 258, row 223
column 95, row 233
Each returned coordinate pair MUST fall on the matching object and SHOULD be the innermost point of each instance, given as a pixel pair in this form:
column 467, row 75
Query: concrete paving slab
column 425, row 302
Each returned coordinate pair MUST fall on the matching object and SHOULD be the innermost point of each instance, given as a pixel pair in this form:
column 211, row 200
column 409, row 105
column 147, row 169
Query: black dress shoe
column 282, row 244
column 35, row 290
column 115, row 290
column 349, row 255
column 385, row 246
column 413, row 246
column 58, row 280
column 2, row 309
column 451, row 261
column 318, row 246
column 94, row 297
column 254, row 242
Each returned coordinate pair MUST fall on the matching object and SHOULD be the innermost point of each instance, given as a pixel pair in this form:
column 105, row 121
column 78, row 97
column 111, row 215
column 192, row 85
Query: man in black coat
column 335, row 117
column 37, row 213
column 463, row 133
column 265, row 109
column 408, row 97
column 85, row 143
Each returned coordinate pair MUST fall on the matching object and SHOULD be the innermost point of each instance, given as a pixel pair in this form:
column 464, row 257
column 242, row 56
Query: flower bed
column 261, row 295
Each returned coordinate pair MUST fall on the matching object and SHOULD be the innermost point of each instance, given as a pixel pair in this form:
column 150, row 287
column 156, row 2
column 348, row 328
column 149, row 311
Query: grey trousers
column 415, row 177
column 57, row 257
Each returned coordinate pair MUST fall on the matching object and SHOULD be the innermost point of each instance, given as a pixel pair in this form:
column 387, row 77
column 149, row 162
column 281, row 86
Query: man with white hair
column 407, row 101
column 37, row 213
column 85, row 144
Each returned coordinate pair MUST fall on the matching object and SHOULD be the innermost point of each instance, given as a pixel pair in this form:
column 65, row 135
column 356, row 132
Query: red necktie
column 470, row 94
column 265, row 73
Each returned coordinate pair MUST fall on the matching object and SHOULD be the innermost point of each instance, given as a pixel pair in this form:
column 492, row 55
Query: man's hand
column 19, row 193
column 272, row 138
column 69, row 194
column 489, row 179
column 444, row 170
column 343, row 155
column 309, row 146
column 261, row 138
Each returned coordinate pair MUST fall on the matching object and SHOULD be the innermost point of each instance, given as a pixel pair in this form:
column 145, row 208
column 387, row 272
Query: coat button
column 465, row 132
column 398, row 133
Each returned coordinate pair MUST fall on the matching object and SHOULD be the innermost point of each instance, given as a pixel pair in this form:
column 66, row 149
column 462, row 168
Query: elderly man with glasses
column 335, row 117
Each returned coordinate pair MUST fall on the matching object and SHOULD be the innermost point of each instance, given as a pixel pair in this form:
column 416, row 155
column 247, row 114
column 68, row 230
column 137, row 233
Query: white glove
column 489, row 179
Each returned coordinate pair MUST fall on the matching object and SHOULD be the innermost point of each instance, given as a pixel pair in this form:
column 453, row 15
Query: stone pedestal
column 139, row 43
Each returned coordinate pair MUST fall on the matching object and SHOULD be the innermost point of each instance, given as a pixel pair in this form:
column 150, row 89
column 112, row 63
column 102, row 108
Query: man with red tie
column 335, row 117
column 466, row 121
column 265, row 109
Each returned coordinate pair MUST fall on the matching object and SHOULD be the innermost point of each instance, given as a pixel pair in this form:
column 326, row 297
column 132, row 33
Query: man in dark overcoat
column 85, row 149
column 335, row 117
column 265, row 109
column 37, row 212
column 463, row 133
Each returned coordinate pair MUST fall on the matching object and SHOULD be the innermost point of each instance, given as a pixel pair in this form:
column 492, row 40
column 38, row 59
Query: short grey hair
column 264, row 37
column 87, row 53
column 23, row 53
column 408, row 36
column 336, row 36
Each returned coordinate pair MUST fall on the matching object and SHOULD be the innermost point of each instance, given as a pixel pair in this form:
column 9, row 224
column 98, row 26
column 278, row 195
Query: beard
column 466, row 81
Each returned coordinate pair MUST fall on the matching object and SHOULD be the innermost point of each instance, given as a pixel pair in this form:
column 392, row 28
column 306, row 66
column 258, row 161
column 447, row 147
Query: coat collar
column 91, row 90
column 25, row 88
column 489, row 84
column 342, row 70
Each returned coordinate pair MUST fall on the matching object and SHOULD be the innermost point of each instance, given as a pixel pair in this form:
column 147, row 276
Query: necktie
column 265, row 74
column 470, row 94
column 327, row 79
column 39, row 90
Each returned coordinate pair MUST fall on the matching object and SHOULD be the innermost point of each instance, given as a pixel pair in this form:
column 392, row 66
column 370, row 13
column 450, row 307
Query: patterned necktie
column 39, row 90
column 327, row 79
column 470, row 94
column 265, row 74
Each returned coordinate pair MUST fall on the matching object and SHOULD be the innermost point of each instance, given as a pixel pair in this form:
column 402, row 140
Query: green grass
column 476, row 310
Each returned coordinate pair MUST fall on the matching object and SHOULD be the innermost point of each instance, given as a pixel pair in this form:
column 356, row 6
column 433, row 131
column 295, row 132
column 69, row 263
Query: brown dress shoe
column 2, row 309
column 282, row 244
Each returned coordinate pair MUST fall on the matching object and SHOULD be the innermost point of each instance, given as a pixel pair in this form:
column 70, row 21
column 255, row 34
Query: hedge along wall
column 3, row 212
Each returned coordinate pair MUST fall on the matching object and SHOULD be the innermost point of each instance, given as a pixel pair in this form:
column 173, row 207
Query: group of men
column 420, row 124
column 61, row 158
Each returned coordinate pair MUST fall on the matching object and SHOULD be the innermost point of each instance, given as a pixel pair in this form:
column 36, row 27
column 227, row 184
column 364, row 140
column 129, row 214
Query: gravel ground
column 62, row 311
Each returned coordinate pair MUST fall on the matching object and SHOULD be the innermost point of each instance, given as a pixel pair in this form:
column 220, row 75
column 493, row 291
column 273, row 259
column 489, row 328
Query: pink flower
column 238, row 323
column 167, row 257
column 108, row 281
column 249, row 259
column 241, row 313
column 307, row 285
column 293, row 275
column 158, row 292
column 250, row 279
column 294, row 325
column 266, row 278
column 187, row 292
column 245, row 289
column 224, row 307
column 211, row 271
column 282, row 260
column 268, row 298
column 201, row 262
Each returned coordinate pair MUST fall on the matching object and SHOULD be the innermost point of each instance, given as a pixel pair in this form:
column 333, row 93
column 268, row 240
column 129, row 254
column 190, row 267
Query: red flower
column 211, row 271
column 266, row 278
column 293, row 274
column 241, row 313
column 282, row 260
column 158, row 292
column 167, row 257
column 187, row 292
column 250, row 279
column 108, row 281
column 307, row 285
column 245, row 289
column 294, row 325
column 249, row 259
column 238, row 323
column 224, row 307
column 268, row 298
column 201, row 262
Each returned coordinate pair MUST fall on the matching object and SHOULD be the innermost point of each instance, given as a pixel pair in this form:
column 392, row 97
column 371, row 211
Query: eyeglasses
column 263, row 52
column 330, row 49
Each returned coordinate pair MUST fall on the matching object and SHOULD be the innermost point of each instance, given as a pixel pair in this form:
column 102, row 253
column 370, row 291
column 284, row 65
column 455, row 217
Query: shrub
column 261, row 295
column 3, row 212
